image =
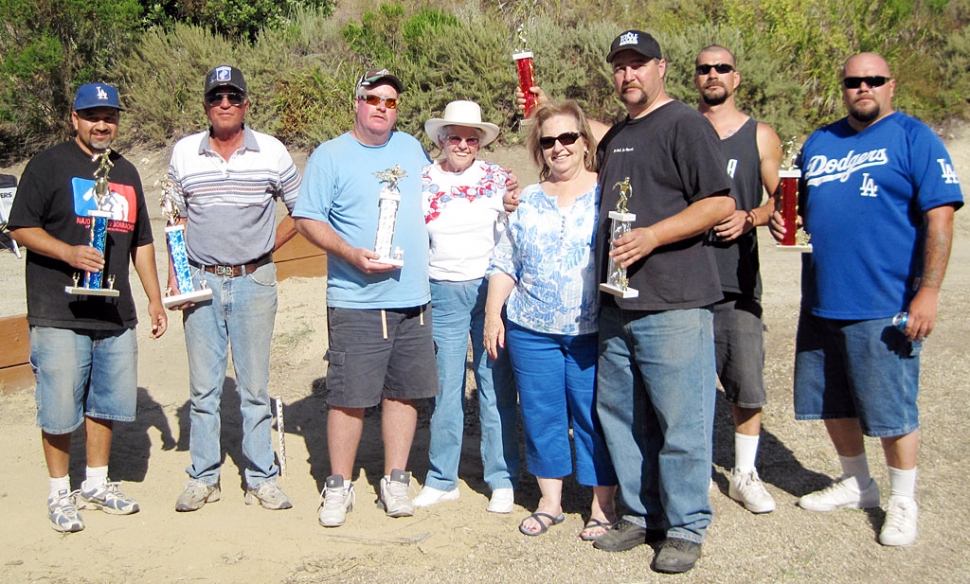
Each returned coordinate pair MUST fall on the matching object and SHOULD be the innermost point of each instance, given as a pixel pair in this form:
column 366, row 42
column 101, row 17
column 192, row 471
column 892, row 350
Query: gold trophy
column 390, row 199
column 616, row 279
column 796, row 239
column 98, row 234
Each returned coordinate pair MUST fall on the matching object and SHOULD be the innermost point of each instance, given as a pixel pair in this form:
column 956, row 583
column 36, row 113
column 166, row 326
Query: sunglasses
column 721, row 68
column 567, row 139
column 376, row 100
column 456, row 140
column 873, row 81
column 235, row 99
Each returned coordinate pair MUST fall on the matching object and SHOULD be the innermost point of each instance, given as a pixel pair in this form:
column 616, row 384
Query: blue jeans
column 83, row 373
column 556, row 376
column 457, row 309
column 655, row 400
column 241, row 314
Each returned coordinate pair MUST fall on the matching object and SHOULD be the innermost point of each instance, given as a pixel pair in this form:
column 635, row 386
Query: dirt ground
column 459, row 541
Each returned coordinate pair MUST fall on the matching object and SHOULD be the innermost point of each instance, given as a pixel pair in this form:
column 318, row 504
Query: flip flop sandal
column 544, row 527
column 595, row 523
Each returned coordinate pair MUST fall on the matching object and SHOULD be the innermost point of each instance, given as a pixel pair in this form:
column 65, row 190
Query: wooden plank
column 16, row 377
column 311, row 267
column 14, row 341
column 297, row 248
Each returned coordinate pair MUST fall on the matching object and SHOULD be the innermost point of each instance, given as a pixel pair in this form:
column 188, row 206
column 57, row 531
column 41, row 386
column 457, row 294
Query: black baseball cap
column 372, row 77
column 636, row 41
column 224, row 76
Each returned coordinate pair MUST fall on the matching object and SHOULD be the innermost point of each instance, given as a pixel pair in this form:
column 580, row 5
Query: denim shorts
column 863, row 369
column 367, row 365
column 739, row 348
column 83, row 373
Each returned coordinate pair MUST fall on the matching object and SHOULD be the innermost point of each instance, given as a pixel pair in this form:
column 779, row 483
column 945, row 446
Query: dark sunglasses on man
column 871, row 81
column 236, row 99
column 721, row 68
column 375, row 100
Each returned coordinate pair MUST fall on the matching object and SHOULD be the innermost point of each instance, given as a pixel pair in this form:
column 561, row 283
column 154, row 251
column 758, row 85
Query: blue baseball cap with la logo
column 92, row 95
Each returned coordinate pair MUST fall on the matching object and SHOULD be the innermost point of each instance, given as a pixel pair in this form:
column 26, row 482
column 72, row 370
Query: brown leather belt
column 236, row 271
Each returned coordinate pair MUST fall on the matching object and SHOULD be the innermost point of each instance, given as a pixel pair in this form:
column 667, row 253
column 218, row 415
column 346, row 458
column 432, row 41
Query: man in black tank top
column 753, row 153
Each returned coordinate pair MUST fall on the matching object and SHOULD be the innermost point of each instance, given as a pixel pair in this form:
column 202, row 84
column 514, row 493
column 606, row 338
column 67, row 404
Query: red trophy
column 527, row 78
column 795, row 238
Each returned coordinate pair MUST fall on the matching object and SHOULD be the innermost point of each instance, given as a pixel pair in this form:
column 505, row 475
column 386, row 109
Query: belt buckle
column 224, row 270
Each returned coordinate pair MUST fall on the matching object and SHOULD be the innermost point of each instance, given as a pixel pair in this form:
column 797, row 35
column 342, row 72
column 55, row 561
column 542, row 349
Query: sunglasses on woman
column 566, row 139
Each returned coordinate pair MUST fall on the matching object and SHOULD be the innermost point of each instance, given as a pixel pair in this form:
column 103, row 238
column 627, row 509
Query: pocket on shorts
column 264, row 275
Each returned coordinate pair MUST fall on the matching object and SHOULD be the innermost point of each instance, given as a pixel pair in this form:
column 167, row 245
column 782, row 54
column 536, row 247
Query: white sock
column 745, row 452
column 902, row 483
column 60, row 484
column 856, row 467
column 95, row 476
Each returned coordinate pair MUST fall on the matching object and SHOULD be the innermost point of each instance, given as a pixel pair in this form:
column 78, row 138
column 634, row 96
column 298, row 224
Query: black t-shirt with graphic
column 672, row 157
column 55, row 194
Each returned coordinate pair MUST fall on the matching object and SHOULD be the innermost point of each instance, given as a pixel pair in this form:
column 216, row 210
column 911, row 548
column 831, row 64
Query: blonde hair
column 566, row 108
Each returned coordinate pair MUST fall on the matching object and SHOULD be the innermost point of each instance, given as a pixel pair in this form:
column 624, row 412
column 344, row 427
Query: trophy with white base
column 617, row 282
column 390, row 199
column 796, row 238
column 175, row 234
column 98, row 235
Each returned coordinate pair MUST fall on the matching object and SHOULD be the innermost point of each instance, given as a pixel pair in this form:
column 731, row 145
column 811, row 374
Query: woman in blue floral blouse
column 544, row 267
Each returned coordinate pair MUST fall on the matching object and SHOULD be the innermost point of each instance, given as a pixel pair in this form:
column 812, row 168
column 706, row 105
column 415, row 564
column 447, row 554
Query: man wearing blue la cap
column 84, row 350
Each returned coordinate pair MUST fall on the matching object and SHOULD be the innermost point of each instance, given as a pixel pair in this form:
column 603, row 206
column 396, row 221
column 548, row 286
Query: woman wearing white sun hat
column 465, row 216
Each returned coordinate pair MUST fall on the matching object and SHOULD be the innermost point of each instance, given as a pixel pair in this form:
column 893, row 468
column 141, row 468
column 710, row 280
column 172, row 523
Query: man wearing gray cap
column 226, row 182
column 83, row 348
column 656, row 372
column 378, row 311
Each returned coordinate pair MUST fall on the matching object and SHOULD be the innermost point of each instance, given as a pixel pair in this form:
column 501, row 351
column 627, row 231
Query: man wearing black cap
column 84, row 348
column 379, row 313
column 226, row 181
column 656, row 374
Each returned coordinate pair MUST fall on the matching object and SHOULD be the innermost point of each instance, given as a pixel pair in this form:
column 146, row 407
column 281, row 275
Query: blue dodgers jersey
column 864, row 197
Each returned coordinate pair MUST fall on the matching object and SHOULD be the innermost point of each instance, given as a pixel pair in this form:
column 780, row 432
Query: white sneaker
column 336, row 500
column 502, row 501
column 900, row 525
column 395, row 495
column 842, row 495
column 430, row 495
column 747, row 488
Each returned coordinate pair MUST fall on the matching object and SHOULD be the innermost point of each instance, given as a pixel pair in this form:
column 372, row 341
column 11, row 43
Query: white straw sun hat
column 462, row 113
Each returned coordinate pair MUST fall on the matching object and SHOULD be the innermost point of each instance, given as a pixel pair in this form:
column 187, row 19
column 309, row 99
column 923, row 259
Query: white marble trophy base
column 82, row 291
column 389, row 262
column 621, row 292
column 803, row 248
column 194, row 296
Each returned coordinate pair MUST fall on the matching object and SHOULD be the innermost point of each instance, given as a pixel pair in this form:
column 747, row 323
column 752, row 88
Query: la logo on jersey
column 869, row 187
column 732, row 167
column 949, row 176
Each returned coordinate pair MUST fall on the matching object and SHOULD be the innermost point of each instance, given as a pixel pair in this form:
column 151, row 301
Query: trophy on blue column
column 175, row 234
column 390, row 199
column 98, row 234
column 617, row 282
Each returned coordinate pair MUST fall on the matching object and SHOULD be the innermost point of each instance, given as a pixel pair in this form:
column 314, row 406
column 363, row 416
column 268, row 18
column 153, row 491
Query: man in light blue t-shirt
column 878, row 192
column 378, row 305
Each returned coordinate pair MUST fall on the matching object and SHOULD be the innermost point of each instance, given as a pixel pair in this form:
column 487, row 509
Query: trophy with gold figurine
column 796, row 239
column 175, row 234
column 621, row 219
column 98, row 235
column 390, row 199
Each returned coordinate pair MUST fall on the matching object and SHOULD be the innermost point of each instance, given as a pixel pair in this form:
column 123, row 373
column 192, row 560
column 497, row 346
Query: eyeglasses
column 235, row 99
column 721, row 68
column 567, row 139
column 456, row 140
column 375, row 100
column 873, row 81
